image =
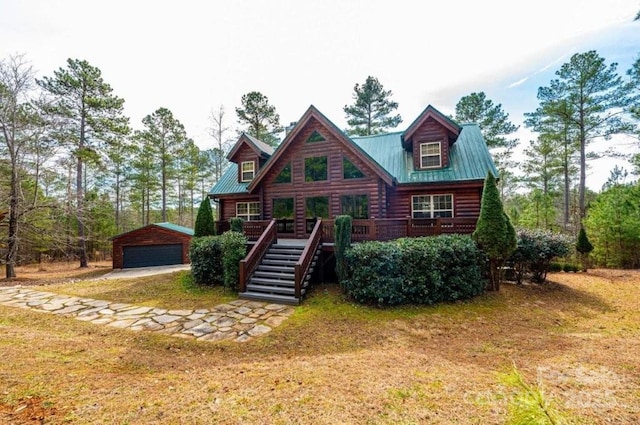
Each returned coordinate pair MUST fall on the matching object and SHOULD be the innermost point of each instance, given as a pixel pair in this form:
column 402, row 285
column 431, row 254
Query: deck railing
column 393, row 228
column 304, row 262
column 268, row 237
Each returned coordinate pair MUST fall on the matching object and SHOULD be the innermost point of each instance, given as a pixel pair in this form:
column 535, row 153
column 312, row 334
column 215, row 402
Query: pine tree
column 584, row 247
column 93, row 117
column 260, row 118
column 370, row 114
column 205, row 226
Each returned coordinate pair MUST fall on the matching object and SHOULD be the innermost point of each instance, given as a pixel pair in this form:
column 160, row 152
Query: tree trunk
column 164, row 190
column 12, row 242
column 583, row 167
column 117, row 209
column 82, row 243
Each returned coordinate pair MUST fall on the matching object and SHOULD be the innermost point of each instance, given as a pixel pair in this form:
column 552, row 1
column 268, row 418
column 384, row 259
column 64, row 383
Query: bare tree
column 219, row 131
column 19, row 124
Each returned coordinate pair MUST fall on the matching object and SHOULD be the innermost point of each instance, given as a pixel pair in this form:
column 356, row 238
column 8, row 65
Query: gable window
column 247, row 171
column 430, row 155
column 315, row 168
column 431, row 206
column 357, row 206
column 248, row 211
column 315, row 137
column 349, row 170
column 285, row 174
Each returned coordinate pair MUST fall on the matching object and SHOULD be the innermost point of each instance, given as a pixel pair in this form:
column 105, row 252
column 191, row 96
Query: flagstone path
column 238, row 320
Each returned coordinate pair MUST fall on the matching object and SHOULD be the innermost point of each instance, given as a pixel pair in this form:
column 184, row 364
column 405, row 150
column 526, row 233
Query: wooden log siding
column 430, row 131
column 227, row 205
column 466, row 198
column 246, row 154
column 334, row 187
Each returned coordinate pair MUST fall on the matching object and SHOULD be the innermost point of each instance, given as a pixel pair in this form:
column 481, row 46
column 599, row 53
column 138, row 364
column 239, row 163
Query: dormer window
column 247, row 171
column 430, row 155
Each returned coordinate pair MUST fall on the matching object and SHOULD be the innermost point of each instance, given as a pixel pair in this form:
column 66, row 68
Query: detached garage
column 158, row 244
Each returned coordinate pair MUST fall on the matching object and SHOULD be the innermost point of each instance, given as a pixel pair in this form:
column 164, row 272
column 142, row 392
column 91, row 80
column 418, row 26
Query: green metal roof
column 228, row 183
column 175, row 228
column 469, row 158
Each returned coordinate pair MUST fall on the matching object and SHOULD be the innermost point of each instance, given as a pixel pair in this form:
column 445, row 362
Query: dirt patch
column 27, row 411
column 51, row 273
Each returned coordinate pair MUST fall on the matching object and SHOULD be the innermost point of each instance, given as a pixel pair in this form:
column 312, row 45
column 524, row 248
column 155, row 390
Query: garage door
column 151, row 255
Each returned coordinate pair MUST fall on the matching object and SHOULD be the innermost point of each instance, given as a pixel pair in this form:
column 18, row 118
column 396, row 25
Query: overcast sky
column 193, row 56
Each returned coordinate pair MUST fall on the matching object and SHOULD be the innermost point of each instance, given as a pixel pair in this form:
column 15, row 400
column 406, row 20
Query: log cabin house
column 423, row 181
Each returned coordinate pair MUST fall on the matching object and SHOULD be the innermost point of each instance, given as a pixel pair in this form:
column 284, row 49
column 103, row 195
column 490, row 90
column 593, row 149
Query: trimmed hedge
column 215, row 260
column 234, row 249
column 414, row 270
column 206, row 260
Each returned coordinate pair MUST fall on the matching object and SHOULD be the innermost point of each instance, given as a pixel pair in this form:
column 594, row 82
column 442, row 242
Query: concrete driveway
column 144, row 271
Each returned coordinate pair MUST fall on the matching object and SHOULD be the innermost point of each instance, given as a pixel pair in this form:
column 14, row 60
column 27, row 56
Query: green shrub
column 536, row 249
column 414, row 270
column 206, row 260
column 373, row 270
column 342, row 236
column 205, row 226
column 569, row 267
column 234, row 249
column 236, row 224
column 556, row 267
column 584, row 247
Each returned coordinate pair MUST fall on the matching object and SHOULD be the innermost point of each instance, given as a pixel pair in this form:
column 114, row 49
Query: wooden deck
column 373, row 229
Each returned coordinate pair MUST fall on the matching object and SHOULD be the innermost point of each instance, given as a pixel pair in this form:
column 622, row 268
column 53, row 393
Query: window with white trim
column 430, row 155
column 248, row 211
column 247, row 171
column 431, row 206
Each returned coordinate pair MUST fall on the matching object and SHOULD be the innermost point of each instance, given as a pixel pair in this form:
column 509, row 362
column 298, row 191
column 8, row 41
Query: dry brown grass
column 334, row 362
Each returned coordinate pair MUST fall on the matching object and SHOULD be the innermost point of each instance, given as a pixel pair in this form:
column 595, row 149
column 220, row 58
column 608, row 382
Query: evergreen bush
column 206, row 260
column 236, row 224
column 494, row 234
column 536, row 249
column 584, row 247
column 414, row 270
column 342, row 236
column 205, row 226
column 234, row 249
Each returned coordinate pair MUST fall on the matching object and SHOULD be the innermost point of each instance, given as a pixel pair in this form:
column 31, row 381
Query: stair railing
column 249, row 264
column 304, row 262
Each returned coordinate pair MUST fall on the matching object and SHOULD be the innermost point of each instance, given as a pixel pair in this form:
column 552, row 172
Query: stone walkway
column 239, row 320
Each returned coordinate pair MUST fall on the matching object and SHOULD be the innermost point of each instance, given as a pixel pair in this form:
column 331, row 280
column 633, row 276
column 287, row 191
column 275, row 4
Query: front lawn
column 333, row 361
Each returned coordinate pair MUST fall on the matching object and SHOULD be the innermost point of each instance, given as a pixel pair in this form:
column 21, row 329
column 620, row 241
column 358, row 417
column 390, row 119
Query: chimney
column 290, row 127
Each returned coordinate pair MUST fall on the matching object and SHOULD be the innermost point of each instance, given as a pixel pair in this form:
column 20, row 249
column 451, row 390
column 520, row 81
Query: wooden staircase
column 274, row 278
